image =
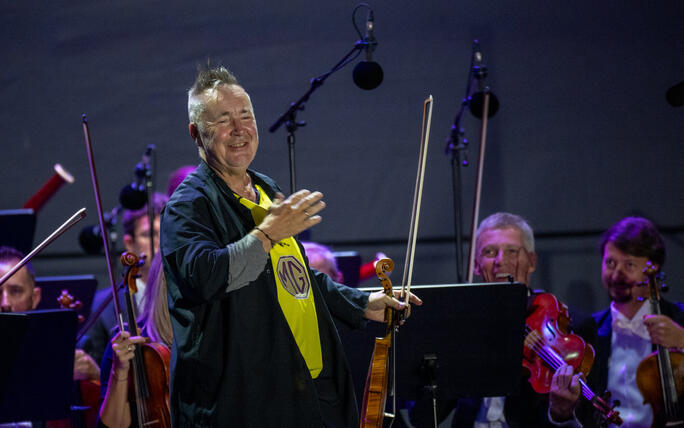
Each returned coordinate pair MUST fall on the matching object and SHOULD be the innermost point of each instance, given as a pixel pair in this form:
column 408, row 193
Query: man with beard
column 624, row 333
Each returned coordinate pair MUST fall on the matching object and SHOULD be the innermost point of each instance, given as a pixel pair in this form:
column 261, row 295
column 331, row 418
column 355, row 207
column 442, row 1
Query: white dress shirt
column 630, row 343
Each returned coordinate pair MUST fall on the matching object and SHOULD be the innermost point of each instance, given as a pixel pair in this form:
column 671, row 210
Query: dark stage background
column 584, row 135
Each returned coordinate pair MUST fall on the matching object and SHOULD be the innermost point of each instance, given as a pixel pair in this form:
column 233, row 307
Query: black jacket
column 234, row 360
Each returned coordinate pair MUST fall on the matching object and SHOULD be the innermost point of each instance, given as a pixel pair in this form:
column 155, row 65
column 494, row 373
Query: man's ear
column 476, row 268
column 533, row 262
column 195, row 133
column 35, row 297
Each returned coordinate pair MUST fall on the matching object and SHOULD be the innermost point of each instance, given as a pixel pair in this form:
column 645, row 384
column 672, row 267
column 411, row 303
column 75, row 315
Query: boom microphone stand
column 456, row 143
column 289, row 117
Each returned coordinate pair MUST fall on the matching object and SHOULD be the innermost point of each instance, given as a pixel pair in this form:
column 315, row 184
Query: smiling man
column 254, row 342
column 505, row 248
column 624, row 333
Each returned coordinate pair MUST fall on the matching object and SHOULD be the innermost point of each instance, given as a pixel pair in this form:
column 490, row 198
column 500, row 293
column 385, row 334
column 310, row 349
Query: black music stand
column 466, row 340
column 17, row 228
column 36, row 365
column 81, row 287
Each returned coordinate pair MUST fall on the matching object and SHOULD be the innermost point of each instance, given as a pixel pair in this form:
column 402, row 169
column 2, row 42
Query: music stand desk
column 36, row 364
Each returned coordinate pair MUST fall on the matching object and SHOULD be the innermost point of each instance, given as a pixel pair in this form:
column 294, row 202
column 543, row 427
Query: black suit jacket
column 597, row 330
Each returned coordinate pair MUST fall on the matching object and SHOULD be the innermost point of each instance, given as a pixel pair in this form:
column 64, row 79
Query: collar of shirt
column 636, row 327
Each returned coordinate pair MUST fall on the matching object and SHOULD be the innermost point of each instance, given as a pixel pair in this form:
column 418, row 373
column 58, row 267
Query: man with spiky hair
column 254, row 342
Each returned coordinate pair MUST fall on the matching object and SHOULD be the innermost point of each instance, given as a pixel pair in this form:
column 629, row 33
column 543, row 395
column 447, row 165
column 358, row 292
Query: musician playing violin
column 624, row 333
column 254, row 342
column 115, row 410
column 505, row 251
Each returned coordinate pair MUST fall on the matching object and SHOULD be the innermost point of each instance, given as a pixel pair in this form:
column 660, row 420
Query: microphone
column 134, row 196
column 675, row 95
column 480, row 72
column 368, row 74
column 90, row 237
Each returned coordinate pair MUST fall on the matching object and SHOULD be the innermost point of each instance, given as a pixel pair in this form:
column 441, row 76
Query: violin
column 149, row 385
column 375, row 391
column 549, row 344
column 660, row 376
column 376, row 388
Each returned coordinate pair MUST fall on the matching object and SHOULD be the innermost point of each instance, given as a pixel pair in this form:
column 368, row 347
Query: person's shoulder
column 193, row 192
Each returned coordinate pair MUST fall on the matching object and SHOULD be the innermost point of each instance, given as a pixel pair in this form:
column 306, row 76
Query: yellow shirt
column 293, row 283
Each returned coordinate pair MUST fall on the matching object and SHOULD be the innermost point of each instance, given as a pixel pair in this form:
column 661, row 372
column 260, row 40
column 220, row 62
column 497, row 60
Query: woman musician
column 116, row 409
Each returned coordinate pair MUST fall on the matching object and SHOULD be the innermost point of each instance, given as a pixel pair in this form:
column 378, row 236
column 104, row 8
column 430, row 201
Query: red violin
column 549, row 345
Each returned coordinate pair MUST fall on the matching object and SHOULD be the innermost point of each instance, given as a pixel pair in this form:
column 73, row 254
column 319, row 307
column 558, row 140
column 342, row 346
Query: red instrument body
column 547, row 326
column 549, row 344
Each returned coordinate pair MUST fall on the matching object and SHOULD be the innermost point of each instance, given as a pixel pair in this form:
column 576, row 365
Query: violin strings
column 537, row 344
column 551, row 357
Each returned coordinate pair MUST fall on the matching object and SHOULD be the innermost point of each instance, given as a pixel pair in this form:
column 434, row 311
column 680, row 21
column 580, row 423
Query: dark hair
column 131, row 216
column 636, row 236
column 9, row 254
column 207, row 78
column 211, row 77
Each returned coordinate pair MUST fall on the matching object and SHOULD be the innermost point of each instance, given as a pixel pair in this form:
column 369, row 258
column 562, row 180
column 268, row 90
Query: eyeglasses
column 508, row 252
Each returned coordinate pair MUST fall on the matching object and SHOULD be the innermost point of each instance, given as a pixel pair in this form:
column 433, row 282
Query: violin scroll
column 67, row 301
column 132, row 263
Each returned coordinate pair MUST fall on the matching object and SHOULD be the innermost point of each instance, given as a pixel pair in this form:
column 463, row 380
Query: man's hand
column 289, row 216
column 378, row 301
column 85, row 368
column 664, row 331
column 564, row 393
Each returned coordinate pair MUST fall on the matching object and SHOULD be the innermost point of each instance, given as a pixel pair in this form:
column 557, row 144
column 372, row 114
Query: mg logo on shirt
column 294, row 277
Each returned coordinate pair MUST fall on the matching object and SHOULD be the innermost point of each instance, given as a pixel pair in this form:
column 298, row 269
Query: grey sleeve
column 247, row 261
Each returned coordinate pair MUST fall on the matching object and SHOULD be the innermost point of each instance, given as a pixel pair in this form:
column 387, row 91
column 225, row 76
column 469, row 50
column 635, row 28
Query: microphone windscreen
column 90, row 239
column 368, row 75
column 132, row 197
column 477, row 104
column 675, row 95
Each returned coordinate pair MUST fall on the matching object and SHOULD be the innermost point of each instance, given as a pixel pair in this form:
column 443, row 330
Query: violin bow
column 478, row 189
column 413, row 231
column 103, row 224
column 373, row 406
column 78, row 216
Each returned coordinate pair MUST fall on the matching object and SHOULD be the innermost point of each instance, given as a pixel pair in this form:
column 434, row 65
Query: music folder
column 467, row 339
column 17, row 228
column 36, row 364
